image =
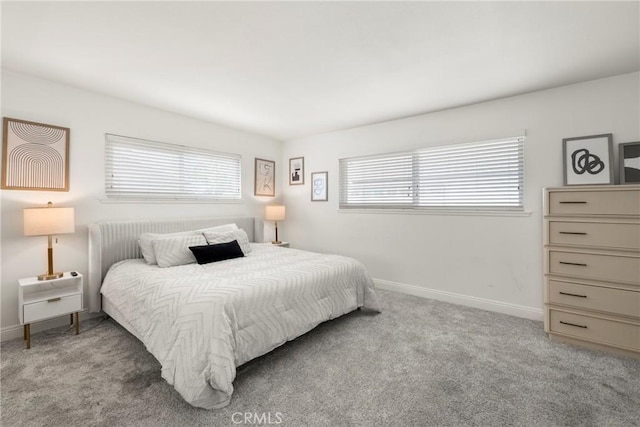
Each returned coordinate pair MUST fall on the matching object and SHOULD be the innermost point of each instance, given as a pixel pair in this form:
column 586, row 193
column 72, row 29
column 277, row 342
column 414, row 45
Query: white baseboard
column 466, row 300
column 16, row 331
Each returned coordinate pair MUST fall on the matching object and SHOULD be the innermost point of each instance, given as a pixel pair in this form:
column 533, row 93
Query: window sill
column 445, row 212
column 167, row 201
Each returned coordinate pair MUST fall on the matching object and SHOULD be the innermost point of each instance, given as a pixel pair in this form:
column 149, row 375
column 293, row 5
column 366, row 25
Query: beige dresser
column 592, row 266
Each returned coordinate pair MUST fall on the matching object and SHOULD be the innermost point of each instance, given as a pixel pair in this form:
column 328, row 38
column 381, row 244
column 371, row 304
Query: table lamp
column 48, row 221
column 275, row 213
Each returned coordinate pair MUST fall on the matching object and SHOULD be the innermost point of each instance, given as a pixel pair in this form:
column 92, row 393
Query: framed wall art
column 296, row 171
column 265, row 178
column 35, row 156
column 588, row 160
column 629, row 161
column 319, row 186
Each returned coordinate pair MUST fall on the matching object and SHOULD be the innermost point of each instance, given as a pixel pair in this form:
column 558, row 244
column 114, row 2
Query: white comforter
column 201, row 321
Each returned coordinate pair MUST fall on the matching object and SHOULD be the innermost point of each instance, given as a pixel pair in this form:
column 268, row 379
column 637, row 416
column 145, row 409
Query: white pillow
column 240, row 235
column 219, row 228
column 146, row 243
column 147, row 248
column 175, row 251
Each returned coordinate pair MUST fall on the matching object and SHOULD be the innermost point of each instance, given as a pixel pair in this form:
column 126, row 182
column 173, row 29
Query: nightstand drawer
column 621, row 202
column 52, row 308
column 623, row 269
column 615, row 301
column 595, row 234
column 603, row 331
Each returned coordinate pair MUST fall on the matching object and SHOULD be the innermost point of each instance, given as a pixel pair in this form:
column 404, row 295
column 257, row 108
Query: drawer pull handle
column 572, row 295
column 573, row 263
column 573, row 324
column 573, row 203
column 54, row 299
column 578, row 233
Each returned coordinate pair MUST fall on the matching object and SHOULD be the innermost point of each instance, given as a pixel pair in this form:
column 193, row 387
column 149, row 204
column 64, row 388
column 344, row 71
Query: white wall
column 493, row 262
column 489, row 261
column 89, row 116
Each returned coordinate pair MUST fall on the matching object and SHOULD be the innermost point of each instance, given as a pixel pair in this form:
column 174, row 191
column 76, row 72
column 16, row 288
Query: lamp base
column 50, row 276
column 275, row 242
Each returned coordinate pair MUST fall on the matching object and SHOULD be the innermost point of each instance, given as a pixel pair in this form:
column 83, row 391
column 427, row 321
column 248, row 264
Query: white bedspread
column 201, row 321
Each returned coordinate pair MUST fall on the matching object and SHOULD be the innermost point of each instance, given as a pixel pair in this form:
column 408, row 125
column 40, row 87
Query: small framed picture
column 319, row 186
column 265, row 178
column 588, row 160
column 296, row 171
column 629, row 162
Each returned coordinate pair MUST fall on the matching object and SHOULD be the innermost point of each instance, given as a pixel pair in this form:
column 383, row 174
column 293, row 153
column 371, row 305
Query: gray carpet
column 419, row 362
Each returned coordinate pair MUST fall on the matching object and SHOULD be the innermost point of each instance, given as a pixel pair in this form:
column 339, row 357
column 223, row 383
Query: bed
column 203, row 321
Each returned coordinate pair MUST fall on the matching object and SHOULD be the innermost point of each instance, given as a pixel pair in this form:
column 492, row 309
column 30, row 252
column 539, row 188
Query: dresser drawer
column 622, row 202
column 52, row 308
column 623, row 269
column 603, row 331
column 614, row 301
column 596, row 234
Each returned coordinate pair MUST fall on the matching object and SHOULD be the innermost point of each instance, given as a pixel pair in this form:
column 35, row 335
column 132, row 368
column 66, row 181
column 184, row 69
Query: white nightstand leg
column 77, row 316
column 71, row 319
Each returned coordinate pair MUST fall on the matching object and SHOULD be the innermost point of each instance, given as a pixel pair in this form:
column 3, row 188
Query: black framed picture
column 587, row 160
column 629, row 161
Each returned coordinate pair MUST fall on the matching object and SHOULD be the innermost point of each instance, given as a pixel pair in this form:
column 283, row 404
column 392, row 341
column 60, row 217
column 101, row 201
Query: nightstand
column 281, row 244
column 45, row 299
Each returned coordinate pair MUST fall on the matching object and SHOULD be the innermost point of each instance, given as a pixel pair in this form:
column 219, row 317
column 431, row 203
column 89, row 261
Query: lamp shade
column 274, row 212
column 48, row 221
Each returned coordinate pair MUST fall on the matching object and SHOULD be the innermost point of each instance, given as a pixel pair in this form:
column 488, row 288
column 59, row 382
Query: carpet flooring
column 418, row 363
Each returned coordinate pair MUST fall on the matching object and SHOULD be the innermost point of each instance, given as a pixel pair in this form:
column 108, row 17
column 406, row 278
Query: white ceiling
column 290, row 69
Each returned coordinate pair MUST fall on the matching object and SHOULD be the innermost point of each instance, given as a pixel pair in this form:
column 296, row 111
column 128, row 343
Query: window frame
column 187, row 169
column 419, row 206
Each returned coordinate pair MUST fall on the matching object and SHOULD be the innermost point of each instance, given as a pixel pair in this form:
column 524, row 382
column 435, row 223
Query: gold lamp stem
column 50, row 255
column 50, row 274
column 276, row 242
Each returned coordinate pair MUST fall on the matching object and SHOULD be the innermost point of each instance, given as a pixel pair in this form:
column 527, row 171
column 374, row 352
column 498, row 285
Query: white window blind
column 141, row 169
column 486, row 175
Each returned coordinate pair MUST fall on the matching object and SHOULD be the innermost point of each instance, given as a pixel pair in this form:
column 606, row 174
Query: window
column 141, row 169
column 479, row 176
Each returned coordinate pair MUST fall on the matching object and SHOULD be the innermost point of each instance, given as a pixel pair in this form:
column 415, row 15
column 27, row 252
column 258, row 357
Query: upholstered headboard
column 113, row 241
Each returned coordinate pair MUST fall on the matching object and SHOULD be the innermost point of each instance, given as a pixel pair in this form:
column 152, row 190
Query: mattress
column 203, row 321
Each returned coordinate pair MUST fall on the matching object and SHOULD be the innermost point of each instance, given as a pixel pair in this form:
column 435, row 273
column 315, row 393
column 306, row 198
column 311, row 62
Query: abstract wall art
column 296, row 171
column 265, row 178
column 629, row 163
column 320, row 186
column 588, row 160
column 35, row 156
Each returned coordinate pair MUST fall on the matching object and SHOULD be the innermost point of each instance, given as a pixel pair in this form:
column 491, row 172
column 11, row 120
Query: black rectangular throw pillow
column 211, row 253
